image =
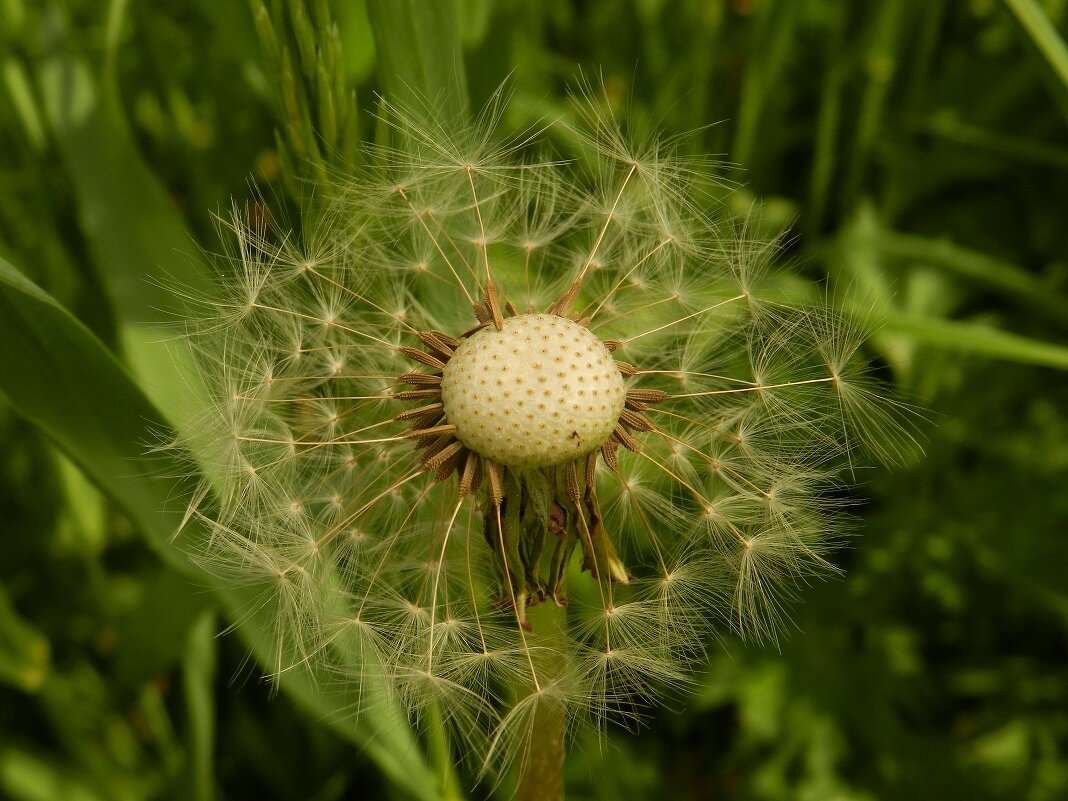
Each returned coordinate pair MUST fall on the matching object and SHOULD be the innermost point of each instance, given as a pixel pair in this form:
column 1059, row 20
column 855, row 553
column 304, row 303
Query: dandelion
column 522, row 435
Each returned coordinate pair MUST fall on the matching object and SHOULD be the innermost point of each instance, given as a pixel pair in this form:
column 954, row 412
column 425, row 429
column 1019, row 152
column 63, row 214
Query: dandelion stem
column 441, row 754
column 512, row 594
column 541, row 769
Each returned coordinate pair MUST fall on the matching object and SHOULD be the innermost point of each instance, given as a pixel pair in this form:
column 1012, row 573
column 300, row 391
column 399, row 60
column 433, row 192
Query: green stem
column 441, row 756
column 541, row 769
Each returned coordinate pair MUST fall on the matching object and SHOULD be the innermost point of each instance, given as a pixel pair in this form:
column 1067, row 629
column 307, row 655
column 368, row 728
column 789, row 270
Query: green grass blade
column 304, row 57
column 1043, row 39
column 27, row 775
column 137, row 238
column 198, row 678
column 976, row 339
column 1003, row 146
column 977, row 266
column 25, row 653
column 59, row 376
column 419, row 54
column 23, row 103
column 825, row 146
column 880, row 63
column 774, row 41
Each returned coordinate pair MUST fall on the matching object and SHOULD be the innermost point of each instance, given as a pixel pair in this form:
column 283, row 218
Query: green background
column 918, row 150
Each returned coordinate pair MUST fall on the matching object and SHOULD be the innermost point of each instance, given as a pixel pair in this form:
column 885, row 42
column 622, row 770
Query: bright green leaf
column 419, row 55
column 59, row 376
column 137, row 238
column 980, row 340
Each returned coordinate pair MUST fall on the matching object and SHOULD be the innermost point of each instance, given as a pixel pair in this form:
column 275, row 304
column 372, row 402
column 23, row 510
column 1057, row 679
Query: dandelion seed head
column 541, row 391
column 486, row 385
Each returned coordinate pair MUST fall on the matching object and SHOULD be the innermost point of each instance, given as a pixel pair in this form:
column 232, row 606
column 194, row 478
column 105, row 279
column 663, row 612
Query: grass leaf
column 59, row 376
column 977, row 339
column 137, row 238
column 25, row 653
column 419, row 55
column 198, row 677
column 977, row 266
column 1043, row 38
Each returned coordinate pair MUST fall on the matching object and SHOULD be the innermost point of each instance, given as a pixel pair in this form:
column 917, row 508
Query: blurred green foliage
column 917, row 147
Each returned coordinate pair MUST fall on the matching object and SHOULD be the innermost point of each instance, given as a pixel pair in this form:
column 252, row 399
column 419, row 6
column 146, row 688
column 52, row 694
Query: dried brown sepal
column 469, row 473
column 445, row 460
column 610, row 454
column 423, row 358
column 436, row 343
column 634, row 421
column 424, row 433
column 416, row 394
column 496, row 481
column 624, row 438
column 589, row 562
column 647, row 395
column 557, row 520
column 494, row 305
column 419, row 379
column 409, row 414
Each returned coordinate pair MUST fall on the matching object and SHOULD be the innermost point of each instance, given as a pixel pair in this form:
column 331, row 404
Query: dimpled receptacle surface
column 542, row 391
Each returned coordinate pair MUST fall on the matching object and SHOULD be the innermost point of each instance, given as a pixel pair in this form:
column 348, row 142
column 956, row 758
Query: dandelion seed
column 487, row 375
